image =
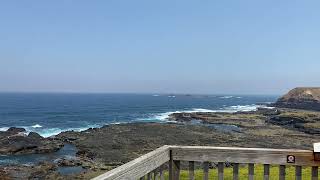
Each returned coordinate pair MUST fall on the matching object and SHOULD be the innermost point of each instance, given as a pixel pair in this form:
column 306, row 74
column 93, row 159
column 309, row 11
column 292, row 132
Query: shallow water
column 68, row 151
column 70, row 170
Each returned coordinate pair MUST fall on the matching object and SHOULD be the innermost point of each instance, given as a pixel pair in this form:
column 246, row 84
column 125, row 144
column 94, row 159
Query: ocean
column 51, row 113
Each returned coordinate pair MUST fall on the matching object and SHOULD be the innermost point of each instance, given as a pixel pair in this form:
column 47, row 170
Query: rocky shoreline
column 101, row 149
column 16, row 141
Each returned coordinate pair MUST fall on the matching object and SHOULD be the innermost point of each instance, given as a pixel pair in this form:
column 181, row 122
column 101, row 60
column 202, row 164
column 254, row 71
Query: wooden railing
column 153, row 164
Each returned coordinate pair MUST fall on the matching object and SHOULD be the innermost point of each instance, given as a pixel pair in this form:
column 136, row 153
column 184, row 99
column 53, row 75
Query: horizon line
column 141, row 93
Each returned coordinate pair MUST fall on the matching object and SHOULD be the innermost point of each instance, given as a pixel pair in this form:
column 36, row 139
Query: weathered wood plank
column 298, row 172
column 235, row 171
column 243, row 155
column 139, row 167
column 282, row 172
column 220, row 170
column 176, row 170
column 155, row 174
column 149, row 176
column 315, row 173
column 205, row 170
column 191, row 170
column 266, row 171
column 251, row 171
column 171, row 172
column 161, row 172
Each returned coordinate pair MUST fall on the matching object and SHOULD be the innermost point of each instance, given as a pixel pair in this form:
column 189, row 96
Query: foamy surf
column 37, row 126
column 230, row 109
column 4, row 128
column 160, row 117
column 226, row 97
column 48, row 132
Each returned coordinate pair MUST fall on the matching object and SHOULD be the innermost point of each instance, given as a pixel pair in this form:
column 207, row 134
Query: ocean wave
column 4, row 128
column 37, row 126
column 227, row 109
column 226, row 97
column 48, row 132
column 157, row 117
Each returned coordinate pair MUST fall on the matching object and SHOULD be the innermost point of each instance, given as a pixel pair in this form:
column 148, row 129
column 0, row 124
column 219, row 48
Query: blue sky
column 167, row 46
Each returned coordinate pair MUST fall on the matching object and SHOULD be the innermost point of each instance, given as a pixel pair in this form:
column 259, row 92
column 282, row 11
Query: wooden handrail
column 145, row 164
column 140, row 166
column 243, row 155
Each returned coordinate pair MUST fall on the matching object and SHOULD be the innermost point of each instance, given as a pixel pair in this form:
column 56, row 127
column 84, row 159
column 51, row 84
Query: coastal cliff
column 301, row 98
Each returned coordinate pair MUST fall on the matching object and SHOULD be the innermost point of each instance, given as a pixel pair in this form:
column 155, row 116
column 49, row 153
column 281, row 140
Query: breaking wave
column 157, row 117
column 37, row 126
column 230, row 109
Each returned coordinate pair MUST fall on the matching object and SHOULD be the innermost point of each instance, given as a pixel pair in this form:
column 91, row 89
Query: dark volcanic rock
column 34, row 135
column 301, row 98
column 15, row 142
column 116, row 144
column 44, row 170
column 16, row 130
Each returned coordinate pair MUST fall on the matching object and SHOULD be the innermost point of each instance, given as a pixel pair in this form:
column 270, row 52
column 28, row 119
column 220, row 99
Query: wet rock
column 16, row 130
column 286, row 120
column 13, row 141
column 34, row 135
column 68, row 162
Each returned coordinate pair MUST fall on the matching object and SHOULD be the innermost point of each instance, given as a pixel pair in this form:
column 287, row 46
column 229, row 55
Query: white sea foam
column 230, row 109
column 4, row 128
column 226, row 97
column 37, row 126
column 47, row 132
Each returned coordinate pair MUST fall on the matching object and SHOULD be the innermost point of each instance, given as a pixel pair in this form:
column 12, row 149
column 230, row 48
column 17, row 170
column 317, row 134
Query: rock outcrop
column 15, row 141
column 301, row 98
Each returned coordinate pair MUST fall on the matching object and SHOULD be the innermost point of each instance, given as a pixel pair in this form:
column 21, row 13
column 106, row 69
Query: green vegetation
column 243, row 173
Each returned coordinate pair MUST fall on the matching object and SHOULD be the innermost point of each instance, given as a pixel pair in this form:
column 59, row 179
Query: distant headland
column 301, row 98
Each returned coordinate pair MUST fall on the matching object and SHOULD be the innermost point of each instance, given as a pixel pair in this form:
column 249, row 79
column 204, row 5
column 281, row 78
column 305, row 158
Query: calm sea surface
column 49, row 114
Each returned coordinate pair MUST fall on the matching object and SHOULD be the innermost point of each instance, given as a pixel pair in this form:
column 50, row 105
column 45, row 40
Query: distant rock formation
column 301, row 98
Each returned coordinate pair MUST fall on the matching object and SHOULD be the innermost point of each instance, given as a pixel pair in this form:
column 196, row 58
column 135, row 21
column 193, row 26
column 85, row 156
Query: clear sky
column 167, row 46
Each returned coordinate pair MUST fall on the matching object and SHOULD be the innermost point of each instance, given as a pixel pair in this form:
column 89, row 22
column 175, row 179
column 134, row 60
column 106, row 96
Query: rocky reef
column 16, row 141
column 301, row 98
column 101, row 149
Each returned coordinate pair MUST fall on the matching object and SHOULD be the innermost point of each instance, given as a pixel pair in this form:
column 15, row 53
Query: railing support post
column 174, row 168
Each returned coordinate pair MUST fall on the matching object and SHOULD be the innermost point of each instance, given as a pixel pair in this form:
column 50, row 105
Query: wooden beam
column 266, row 172
column 139, row 167
column 161, row 172
column 149, row 177
column 243, row 155
column 220, row 170
column 298, row 172
column 251, row 171
column 314, row 173
column 176, row 170
column 282, row 172
column 236, row 171
column 205, row 170
column 191, row 170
